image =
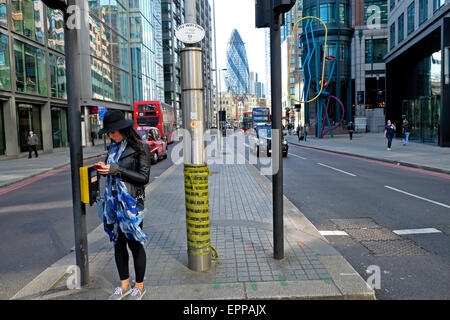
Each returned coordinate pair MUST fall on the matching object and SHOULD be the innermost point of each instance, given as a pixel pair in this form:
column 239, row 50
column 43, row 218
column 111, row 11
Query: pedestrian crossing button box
column 89, row 183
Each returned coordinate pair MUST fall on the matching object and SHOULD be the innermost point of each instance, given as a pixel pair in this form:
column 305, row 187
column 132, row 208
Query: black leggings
column 121, row 256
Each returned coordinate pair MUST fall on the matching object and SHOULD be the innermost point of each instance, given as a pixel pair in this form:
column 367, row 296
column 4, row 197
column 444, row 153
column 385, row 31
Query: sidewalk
column 373, row 146
column 241, row 232
column 16, row 170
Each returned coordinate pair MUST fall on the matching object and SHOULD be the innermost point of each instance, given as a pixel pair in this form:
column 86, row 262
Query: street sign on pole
column 102, row 112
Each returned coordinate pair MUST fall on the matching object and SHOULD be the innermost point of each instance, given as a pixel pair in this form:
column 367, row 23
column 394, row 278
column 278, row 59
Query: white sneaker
column 389, row 149
column 136, row 294
column 119, row 294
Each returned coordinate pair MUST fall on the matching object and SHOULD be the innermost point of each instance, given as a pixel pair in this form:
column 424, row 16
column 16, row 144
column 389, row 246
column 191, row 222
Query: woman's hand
column 105, row 169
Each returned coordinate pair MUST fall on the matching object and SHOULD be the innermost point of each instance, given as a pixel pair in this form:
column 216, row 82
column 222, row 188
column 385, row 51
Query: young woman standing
column 127, row 171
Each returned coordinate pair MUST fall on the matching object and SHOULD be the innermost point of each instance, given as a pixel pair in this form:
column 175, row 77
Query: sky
column 240, row 15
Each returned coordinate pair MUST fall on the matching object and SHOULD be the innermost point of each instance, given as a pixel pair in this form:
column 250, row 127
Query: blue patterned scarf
column 120, row 210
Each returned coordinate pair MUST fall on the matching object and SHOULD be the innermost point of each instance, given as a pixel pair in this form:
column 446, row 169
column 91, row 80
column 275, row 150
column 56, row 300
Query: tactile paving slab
column 394, row 248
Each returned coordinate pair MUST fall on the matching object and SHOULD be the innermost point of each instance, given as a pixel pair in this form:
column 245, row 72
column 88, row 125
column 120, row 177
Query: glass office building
column 337, row 16
column 122, row 62
column 237, row 75
column 418, row 59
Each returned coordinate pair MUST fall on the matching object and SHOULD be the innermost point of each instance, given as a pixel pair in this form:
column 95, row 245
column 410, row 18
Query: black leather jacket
column 135, row 172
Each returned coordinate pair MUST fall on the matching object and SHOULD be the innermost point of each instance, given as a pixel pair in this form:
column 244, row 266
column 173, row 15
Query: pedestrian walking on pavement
column 32, row 142
column 389, row 133
column 127, row 171
column 406, row 130
column 298, row 132
column 305, row 131
column 351, row 129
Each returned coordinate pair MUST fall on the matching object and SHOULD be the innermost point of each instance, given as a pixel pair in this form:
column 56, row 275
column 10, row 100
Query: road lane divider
column 417, row 231
column 291, row 154
column 333, row 233
column 339, row 170
column 418, row 197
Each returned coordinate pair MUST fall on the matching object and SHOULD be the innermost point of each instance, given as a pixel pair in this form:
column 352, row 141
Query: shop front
column 59, row 127
column 2, row 134
column 28, row 119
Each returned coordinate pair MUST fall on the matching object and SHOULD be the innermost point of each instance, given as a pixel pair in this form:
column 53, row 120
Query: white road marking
column 324, row 165
column 333, row 233
column 421, row 198
column 291, row 154
column 417, row 231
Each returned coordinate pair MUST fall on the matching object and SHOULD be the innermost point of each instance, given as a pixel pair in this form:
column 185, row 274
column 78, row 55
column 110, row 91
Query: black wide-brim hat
column 115, row 120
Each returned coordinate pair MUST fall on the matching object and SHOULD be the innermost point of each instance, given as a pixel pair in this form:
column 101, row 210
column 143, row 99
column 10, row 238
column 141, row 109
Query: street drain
column 394, row 248
column 357, row 223
column 373, row 234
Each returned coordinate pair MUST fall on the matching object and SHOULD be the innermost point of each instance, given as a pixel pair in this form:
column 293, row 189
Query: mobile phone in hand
column 97, row 167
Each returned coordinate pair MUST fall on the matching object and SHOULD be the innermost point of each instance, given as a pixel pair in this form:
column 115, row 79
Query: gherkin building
column 237, row 73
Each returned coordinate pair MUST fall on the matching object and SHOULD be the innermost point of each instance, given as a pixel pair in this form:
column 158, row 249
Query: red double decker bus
column 156, row 114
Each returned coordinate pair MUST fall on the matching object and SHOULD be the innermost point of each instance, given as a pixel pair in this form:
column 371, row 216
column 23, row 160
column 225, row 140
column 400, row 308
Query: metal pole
column 74, row 81
column 277, row 178
column 199, row 257
column 219, row 134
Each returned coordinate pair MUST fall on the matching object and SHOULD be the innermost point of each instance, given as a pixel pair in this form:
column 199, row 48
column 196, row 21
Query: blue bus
column 261, row 116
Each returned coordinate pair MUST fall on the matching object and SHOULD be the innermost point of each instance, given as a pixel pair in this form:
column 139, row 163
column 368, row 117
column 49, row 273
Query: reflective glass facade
column 55, row 33
column 146, row 50
column 58, row 77
column 5, row 65
column 237, row 73
column 109, row 49
column 3, row 14
column 28, row 19
column 31, row 72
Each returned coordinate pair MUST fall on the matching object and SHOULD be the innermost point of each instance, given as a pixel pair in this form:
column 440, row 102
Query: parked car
column 260, row 140
column 158, row 146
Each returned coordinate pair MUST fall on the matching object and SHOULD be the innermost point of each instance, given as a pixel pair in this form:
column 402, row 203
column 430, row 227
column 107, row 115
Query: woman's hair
column 134, row 139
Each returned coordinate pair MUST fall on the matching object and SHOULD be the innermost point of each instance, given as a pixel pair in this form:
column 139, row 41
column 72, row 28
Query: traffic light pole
column 277, row 178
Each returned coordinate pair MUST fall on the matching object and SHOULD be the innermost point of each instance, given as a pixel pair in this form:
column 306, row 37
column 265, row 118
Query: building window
column 423, row 11
column 3, row 14
column 5, row 66
column 370, row 10
column 437, row 4
column 391, row 4
column 411, row 17
column 31, row 73
column 55, row 25
column 58, row 77
column 328, row 12
column 376, row 50
column 401, row 27
column 324, row 12
column 122, row 90
column 27, row 17
column 392, row 36
column 344, row 14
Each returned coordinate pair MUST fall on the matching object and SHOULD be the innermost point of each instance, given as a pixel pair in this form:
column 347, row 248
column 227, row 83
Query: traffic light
column 262, row 13
column 56, row 4
column 282, row 6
